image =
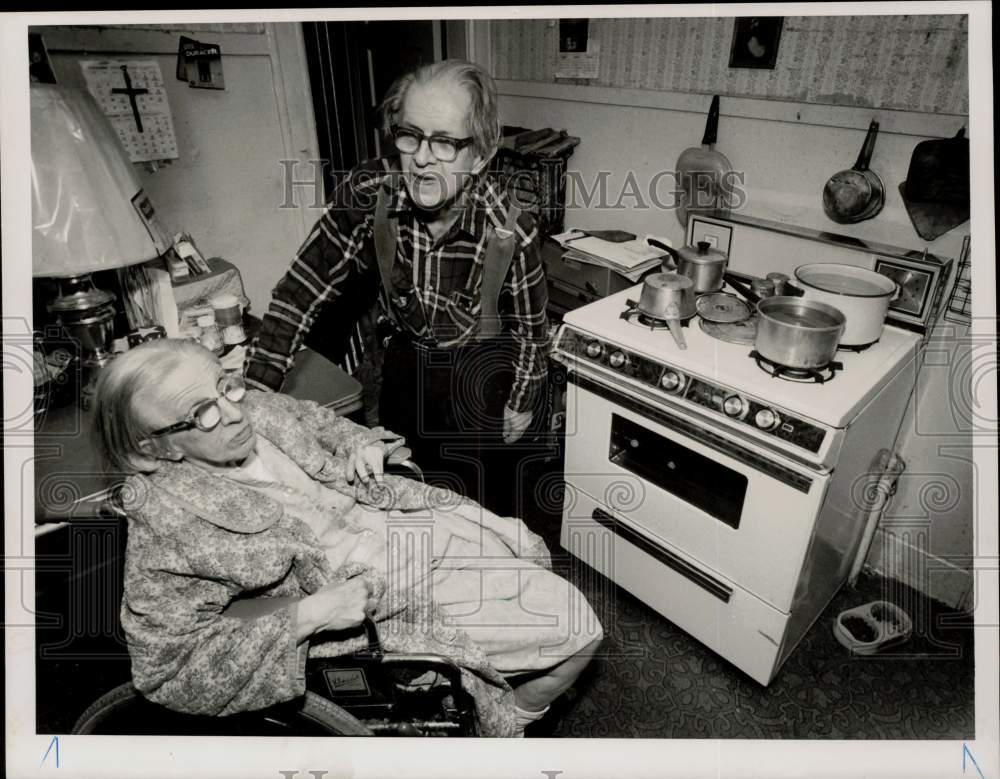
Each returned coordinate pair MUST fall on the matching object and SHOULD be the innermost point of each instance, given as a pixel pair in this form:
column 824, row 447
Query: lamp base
column 86, row 315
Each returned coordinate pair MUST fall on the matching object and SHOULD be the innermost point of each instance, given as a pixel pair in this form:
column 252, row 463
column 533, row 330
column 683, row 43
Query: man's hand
column 334, row 607
column 514, row 424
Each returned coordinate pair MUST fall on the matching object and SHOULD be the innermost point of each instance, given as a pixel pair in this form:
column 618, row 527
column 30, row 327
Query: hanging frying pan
column 858, row 193
column 701, row 173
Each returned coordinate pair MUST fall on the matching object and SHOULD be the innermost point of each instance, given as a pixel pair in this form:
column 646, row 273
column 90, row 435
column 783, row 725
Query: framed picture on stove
column 718, row 236
column 921, row 280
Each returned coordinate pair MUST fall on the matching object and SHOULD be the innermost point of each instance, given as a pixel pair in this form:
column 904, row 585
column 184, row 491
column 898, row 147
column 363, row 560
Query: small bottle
column 762, row 288
column 230, row 319
column 779, row 280
column 211, row 339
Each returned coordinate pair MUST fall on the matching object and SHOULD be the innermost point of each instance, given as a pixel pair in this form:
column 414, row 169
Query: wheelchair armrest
column 255, row 608
column 414, row 470
column 400, row 462
column 399, row 455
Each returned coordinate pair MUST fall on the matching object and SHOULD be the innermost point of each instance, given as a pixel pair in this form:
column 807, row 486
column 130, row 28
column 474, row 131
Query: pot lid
column 82, row 300
column 743, row 332
column 702, row 252
column 722, row 307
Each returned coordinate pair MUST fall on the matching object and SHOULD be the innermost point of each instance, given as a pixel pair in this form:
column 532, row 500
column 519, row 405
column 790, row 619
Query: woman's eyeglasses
column 444, row 148
column 206, row 415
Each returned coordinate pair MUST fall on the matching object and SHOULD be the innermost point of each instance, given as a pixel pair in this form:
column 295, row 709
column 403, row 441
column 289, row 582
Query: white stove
column 730, row 500
column 833, row 403
column 721, row 380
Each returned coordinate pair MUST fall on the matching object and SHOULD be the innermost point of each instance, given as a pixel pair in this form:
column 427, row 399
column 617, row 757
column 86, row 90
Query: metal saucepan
column 858, row 193
column 668, row 296
column 861, row 294
column 702, row 264
column 796, row 332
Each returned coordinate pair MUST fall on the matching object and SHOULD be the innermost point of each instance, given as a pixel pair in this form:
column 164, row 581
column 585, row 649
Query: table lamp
column 89, row 213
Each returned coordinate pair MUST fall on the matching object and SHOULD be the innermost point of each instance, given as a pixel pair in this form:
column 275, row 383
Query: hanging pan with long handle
column 702, row 173
column 858, row 193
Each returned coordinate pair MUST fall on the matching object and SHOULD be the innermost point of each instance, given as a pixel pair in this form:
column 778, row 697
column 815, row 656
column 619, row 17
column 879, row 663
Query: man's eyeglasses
column 206, row 415
column 444, row 148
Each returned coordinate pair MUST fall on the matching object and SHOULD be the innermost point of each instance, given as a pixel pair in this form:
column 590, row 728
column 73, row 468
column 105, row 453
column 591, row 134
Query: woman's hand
column 367, row 462
column 334, row 607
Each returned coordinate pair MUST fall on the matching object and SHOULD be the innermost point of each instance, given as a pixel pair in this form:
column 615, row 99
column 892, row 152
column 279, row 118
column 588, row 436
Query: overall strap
column 499, row 254
column 385, row 247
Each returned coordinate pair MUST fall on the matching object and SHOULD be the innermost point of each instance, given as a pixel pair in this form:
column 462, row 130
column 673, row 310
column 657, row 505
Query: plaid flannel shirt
column 442, row 278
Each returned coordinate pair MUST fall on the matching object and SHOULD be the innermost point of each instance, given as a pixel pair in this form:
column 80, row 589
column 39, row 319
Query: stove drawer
column 723, row 616
column 735, row 508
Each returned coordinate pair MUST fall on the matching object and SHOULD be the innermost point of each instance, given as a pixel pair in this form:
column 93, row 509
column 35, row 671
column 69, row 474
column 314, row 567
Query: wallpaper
column 915, row 63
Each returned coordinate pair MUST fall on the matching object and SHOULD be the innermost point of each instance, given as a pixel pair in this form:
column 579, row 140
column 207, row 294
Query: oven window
column 692, row 477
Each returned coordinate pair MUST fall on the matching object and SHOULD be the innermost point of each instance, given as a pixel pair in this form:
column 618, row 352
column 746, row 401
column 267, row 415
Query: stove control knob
column 618, row 359
column 595, row 349
column 734, row 406
column 672, row 381
column 767, row 419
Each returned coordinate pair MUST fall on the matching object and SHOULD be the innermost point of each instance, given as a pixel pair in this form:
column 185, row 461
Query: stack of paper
column 631, row 258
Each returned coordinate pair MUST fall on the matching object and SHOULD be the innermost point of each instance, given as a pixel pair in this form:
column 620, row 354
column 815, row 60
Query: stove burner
column 856, row 349
column 800, row 375
column 633, row 316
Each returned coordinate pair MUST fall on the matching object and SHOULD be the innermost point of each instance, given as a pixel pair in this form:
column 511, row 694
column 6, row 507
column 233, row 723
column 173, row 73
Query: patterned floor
column 652, row 680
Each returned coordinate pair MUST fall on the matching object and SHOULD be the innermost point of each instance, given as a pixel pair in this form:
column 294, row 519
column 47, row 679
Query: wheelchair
column 368, row 693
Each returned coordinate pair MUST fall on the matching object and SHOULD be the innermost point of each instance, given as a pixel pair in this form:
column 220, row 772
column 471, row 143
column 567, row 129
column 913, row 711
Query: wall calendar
column 133, row 96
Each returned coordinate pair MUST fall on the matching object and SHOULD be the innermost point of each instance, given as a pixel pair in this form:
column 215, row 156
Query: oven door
column 740, row 510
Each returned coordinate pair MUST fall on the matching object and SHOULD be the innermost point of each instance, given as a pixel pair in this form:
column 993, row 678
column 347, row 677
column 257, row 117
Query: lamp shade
column 86, row 199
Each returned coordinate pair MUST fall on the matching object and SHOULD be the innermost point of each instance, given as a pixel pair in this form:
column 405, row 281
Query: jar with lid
column 211, row 338
column 230, row 319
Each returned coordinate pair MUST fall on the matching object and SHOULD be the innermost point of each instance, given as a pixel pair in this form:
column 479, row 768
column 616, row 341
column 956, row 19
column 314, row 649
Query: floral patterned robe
column 197, row 542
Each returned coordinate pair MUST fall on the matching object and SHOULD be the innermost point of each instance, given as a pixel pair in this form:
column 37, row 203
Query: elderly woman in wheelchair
column 236, row 494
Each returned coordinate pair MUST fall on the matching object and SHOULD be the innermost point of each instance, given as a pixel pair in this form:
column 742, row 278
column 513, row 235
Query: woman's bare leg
column 537, row 692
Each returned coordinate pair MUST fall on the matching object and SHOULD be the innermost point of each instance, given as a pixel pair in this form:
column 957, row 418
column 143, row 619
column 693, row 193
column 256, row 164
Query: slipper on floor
column 866, row 629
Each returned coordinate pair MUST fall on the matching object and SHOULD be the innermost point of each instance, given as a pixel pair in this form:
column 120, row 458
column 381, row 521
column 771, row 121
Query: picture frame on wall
column 755, row 42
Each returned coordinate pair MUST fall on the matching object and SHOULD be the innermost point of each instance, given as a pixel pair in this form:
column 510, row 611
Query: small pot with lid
column 701, row 263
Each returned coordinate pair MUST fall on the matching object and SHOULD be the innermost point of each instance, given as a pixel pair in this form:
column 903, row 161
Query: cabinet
column 573, row 284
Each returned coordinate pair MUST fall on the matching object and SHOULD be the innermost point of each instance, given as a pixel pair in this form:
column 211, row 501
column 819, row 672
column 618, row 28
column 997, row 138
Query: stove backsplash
column 757, row 247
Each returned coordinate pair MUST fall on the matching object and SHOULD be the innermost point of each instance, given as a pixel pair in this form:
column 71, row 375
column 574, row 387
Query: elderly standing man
column 459, row 277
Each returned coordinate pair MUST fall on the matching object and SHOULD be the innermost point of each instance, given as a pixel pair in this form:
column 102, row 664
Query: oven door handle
column 708, row 583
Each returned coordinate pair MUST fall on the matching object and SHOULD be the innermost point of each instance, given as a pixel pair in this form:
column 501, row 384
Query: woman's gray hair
column 484, row 115
column 118, row 420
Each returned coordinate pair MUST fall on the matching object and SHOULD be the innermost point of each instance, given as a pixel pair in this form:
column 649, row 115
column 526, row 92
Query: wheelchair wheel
column 123, row 711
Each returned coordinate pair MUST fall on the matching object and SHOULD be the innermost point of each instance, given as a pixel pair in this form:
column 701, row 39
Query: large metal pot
column 702, row 264
column 796, row 332
column 668, row 296
column 861, row 294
